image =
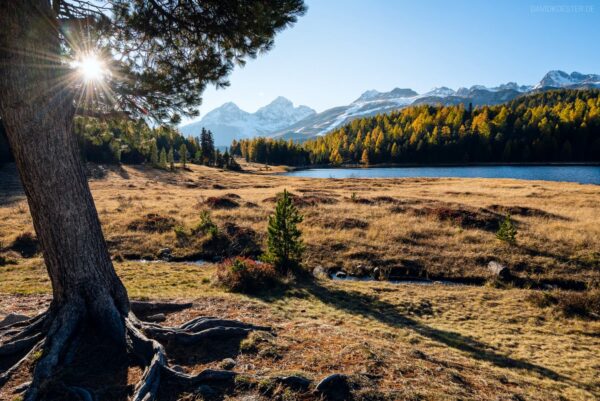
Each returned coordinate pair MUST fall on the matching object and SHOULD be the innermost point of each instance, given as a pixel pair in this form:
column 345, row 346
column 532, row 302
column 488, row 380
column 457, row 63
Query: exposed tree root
column 20, row 330
column 143, row 307
column 6, row 375
column 57, row 336
column 60, row 332
column 153, row 355
column 199, row 329
column 21, row 340
column 13, row 347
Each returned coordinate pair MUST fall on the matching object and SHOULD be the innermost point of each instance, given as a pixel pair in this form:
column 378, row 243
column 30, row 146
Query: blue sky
column 341, row 48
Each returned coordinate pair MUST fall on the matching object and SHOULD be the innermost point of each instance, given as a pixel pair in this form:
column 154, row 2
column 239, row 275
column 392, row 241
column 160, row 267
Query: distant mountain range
column 229, row 122
column 280, row 119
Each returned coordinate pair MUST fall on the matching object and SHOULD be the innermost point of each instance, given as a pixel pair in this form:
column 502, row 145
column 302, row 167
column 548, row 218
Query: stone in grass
column 165, row 254
column 334, row 387
column 297, row 383
column 499, row 270
column 12, row 318
column 227, row 364
column 320, row 272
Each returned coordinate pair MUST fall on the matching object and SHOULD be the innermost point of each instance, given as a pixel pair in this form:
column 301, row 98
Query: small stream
column 342, row 276
column 199, row 262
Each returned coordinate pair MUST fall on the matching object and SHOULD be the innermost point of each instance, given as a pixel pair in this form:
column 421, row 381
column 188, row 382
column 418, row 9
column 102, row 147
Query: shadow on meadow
column 370, row 306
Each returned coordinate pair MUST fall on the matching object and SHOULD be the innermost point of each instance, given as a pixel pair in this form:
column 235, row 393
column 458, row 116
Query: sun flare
column 90, row 67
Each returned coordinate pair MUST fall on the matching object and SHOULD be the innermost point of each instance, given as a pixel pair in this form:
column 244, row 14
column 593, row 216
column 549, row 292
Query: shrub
column 181, row 234
column 507, row 231
column 246, row 275
column 584, row 304
column 215, row 202
column 206, row 226
column 152, row 222
column 284, row 245
column 26, row 244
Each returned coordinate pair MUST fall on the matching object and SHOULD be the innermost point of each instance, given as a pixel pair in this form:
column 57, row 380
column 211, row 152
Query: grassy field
column 400, row 341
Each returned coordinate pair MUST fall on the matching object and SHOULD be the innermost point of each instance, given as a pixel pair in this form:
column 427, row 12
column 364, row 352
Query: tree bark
column 37, row 109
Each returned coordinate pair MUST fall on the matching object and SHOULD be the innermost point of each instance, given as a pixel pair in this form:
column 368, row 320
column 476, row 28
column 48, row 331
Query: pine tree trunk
column 37, row 109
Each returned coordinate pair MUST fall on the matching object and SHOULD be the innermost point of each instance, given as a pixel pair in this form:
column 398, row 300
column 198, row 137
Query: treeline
column 135, row 142
column 554, row 126
column 271, row 151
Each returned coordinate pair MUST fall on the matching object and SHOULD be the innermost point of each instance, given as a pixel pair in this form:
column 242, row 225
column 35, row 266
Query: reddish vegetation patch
column 346, row 224
column 246, row 275
column 405, row 205
column 153, row 222
column 524, row 211
column 385, row 199
column 222, row 202
column 462, row 216
column 232, row 240
column 306, row 200
column 362, row 201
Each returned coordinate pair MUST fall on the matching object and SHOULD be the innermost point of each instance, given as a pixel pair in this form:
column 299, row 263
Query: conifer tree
column 507, row 231
column 218, row 159
column 163, row 55
column 284, row 245
column 171, row 159
column 365, row 157
column 394, row 152
column 207, row 144
column 162, row 161
column 183, row 154
column 154, row 154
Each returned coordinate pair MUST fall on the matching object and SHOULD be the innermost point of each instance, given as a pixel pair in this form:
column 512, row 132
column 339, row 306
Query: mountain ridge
column 229, row 121
column 373, row 102
column 280, row 119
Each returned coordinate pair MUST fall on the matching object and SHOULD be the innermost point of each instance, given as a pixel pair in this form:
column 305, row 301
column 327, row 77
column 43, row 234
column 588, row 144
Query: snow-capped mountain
column 281, row 119
column 374, row 102
column 560, row 79
column 229, row 122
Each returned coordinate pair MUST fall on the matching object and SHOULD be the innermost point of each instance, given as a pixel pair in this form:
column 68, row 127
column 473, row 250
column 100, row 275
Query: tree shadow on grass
column 370, row 306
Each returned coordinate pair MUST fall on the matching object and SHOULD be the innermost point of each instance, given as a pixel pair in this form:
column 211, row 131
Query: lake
column 581, row 174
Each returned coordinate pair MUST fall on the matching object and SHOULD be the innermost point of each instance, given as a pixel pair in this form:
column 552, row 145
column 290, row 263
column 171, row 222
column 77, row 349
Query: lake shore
column 392, row 165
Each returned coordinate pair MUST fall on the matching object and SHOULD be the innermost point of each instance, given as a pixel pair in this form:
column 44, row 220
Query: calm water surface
column 581, row 174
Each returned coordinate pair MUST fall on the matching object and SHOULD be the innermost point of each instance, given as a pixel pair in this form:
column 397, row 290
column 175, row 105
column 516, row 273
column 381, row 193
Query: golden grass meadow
column 461, row 335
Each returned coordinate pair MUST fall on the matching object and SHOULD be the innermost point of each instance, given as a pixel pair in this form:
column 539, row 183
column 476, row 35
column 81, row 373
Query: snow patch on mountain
column 229, row 122
column 560, row 79
column 374, row 102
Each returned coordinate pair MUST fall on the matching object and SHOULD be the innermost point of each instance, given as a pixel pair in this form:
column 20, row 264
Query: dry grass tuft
column 585, row 304
column 222, row 202
column 461, row 216
column 152, row 223
column 26, row 244
column 428, row 342
column 346, row 224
